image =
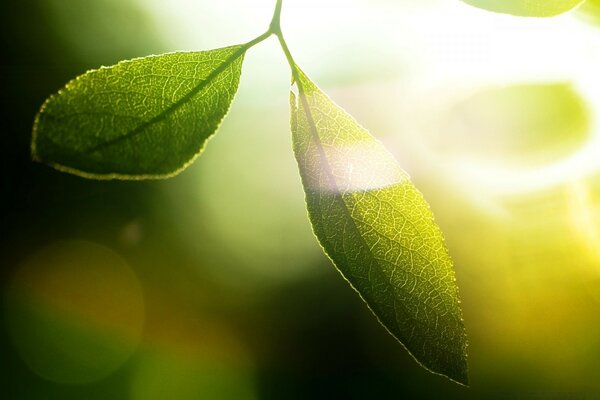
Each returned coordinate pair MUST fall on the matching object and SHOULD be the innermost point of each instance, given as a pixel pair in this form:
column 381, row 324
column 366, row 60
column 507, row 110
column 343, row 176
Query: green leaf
column 527, row 8
column 144, row 118
column 378, row 231
column 590, row 12
column 523, row 125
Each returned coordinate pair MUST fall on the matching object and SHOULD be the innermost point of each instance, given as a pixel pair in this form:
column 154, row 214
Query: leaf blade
column 146, row 118
column 526, row 8
column 372, row 222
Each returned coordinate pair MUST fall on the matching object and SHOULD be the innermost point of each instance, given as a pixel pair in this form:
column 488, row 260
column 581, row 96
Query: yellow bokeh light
column 75, row 312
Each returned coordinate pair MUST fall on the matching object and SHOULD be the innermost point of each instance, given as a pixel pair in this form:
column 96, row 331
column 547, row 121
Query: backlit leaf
column 590, row 12
column 144, row 118
column 526, row 8
column 378, row 231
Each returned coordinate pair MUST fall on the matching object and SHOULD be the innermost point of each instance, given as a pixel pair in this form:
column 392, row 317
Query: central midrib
column 173, row 107
column 333, row 183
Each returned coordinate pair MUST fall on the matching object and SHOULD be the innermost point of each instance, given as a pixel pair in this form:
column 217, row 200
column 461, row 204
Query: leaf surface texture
column 143, row 118
column 378, row 230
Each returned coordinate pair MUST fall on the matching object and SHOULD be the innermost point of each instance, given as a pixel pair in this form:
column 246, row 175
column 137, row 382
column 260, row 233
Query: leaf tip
column 455, row 368
column 461, row 377
column 460, row 371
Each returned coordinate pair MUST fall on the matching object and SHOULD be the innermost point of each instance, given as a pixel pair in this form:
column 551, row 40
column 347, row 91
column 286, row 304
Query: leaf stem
column 288, row 56
column 257, row 40
column 275, row 25
column 275, row 29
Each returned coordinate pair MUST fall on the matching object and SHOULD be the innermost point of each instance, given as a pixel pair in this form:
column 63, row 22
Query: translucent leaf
column 590, row 12
column 526, row 8
column 524, row 125
column 144, row 118
column 378, row 231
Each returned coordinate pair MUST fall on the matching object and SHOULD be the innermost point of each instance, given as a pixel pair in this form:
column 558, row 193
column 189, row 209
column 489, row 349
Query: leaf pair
column 150, row 117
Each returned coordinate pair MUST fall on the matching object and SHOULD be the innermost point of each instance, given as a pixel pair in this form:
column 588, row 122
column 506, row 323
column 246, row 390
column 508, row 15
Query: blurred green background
column 210, row 285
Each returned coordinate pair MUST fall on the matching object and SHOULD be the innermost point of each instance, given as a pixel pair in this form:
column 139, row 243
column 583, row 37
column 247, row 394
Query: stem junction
column 275, row 29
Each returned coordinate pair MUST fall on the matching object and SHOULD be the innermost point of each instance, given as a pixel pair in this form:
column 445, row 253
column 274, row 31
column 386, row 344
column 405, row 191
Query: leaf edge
column 35, row 156
column 294, row 101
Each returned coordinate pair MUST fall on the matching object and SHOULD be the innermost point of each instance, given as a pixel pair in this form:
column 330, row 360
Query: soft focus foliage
column 527, row 8
column 590, row 11
column 523, row 125
column 246, row 299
